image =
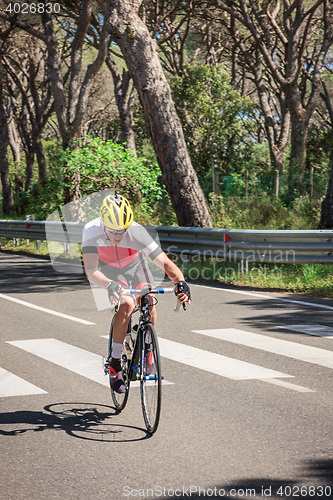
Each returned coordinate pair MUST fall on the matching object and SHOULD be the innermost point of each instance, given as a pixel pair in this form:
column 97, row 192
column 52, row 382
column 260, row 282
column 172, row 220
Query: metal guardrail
column 315, row 246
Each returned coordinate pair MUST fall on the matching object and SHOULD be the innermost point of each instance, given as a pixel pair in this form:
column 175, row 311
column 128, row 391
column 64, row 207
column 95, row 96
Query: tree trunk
column 142, row 60
column 29, row 166
column 28, row 147
column 7, row 202
column 125, row 100
column 14, row 140
column 126, row 113
column 299, row 130
column 326, row 218
column 41, row 160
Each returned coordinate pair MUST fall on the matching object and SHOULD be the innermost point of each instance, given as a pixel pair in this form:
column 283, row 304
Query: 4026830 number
column 304, row 491
column 33, row 8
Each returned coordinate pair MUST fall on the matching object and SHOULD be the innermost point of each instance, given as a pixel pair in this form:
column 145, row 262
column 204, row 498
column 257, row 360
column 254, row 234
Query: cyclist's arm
column 94, row 275
column 173, row 272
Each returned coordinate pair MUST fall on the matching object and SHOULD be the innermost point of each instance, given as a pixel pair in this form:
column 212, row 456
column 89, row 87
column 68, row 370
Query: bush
column 256, row 212
column 108, row 165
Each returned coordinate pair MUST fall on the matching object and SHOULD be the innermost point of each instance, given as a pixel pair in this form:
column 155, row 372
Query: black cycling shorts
column 134, row 275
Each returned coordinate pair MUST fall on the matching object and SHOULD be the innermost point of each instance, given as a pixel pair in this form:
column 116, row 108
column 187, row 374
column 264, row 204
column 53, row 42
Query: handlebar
column 145, row 291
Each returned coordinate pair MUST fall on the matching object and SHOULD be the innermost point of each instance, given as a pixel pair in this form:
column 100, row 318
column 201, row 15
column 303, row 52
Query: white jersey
column 136, row 240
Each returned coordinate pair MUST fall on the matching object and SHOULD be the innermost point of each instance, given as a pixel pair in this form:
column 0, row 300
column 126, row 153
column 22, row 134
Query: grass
column 309, row 279
column 24, row 247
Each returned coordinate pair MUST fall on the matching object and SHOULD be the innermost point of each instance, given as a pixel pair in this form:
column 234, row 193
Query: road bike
column 140, row 359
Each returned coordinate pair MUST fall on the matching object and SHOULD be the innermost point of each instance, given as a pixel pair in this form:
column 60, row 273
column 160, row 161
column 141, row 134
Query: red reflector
column 27, row 226
column 226, row 238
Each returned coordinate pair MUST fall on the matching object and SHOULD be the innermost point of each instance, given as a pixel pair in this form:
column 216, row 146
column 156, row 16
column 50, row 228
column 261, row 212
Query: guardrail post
column 29, row 217
column 66, row 247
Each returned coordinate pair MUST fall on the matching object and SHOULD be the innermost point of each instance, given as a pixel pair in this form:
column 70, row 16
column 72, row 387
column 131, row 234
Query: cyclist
column 112, row 249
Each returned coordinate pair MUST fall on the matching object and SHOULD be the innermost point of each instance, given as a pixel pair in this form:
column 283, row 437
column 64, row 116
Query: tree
column 293, row 40
column 213, row 116
column 70, row 111
column 326, row 219
column 7, row 194
column 24, row 62
column 140, row 53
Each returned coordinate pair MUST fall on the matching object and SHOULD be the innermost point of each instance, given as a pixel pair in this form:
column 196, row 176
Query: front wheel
column 120, row 400
column 150, row 378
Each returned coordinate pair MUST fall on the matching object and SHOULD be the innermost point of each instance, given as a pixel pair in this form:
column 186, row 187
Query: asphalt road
column 253, row 418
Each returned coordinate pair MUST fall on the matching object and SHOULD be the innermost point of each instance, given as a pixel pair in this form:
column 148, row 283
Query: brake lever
column 116, row 307
column 178, row 304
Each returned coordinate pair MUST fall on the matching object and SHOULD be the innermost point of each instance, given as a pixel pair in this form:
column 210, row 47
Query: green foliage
column 106, row 165
column 263, row 212
column 215, row 118
column 319, row 147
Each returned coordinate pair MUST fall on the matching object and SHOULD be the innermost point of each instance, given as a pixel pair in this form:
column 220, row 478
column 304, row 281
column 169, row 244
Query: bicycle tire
column 120, row 400
column 150, row 384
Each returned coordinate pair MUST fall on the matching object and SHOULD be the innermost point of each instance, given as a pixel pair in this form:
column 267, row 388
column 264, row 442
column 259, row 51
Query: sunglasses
column 114, row 232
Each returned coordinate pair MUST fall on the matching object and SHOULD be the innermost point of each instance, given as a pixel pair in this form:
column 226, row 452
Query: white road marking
column 216, row 363
column 287, row 385
column 75, row 359
column 262, row 296
column 43, row 309
column 317, row 330
column 12, row 385
column 321, row 357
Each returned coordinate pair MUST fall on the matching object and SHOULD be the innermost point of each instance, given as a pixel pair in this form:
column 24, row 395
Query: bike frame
column 143, row 319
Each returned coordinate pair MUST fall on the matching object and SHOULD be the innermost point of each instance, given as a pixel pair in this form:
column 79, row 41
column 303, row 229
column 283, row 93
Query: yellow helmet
column 116, row 212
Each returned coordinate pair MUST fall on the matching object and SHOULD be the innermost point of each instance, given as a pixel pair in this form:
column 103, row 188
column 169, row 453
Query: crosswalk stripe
column 12, row 385
column 315, row 355
column 287, row 385
column 75, row 359
column 316, row 330
column 216, row 363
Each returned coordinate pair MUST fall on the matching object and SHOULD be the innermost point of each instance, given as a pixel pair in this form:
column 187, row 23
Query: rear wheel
column 150, row 379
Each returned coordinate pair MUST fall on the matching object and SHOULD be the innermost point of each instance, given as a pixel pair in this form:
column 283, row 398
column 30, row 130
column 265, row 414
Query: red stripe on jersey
column 117, row 256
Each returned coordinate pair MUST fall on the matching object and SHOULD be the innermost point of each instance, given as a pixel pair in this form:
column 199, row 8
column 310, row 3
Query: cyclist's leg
column 126, row 306
column 141, row 278
column 122, row 318
column 120, row 325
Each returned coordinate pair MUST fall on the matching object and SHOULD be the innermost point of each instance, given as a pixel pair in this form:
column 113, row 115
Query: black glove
column 182, row 287
column 113, row 287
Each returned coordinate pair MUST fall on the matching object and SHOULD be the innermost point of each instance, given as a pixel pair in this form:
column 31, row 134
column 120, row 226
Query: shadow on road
column 26, row 276
column 284, row 314
column 315, row 482
column 88, row 421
